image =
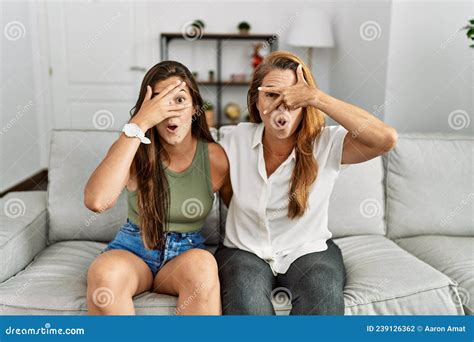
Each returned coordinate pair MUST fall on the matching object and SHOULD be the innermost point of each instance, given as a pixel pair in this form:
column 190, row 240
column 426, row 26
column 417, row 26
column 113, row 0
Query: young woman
column 171, row 167
column 283, row 167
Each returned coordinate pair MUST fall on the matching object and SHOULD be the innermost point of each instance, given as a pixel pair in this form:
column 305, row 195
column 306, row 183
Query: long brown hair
column 153, row 189
column 312, row 123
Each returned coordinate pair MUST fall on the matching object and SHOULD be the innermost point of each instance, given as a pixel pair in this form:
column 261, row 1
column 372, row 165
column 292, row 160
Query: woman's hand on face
column 298, row 95
column 159, row 108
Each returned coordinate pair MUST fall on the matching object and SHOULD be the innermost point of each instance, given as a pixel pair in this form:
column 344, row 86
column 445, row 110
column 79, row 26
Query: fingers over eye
column 168, row 89
column 300, row 75
column 173, row 92
column 273, row 105
column 179, row 107
column 149, row 93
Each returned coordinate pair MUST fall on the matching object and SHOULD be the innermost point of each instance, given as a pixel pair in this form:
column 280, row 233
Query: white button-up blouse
column 257, row 219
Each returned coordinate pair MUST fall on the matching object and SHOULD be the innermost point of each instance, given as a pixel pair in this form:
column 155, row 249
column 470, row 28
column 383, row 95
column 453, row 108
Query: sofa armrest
column 23, row 230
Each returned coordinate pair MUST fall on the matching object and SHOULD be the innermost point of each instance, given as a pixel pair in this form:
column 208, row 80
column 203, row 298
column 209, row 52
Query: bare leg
column 114, row 277
column 193, row 277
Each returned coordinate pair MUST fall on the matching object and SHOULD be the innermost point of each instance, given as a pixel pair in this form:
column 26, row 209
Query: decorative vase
column 209, row 117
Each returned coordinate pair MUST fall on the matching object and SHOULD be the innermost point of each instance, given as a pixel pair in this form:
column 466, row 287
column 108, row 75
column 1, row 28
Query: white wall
column 224, row 16
column 345, row 71
column 404, row 61
column 23, row 130
column 127, row 34
column 430, row 70
column 359, row 60
column 354, row 70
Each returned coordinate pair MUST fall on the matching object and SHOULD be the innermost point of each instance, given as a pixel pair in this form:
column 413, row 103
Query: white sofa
column 404, row 224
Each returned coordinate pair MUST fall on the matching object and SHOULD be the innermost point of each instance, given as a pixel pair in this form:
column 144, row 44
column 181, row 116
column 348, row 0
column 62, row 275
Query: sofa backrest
column 74, row 156
column 428, row 190
column 429, row 185
column 357, row 203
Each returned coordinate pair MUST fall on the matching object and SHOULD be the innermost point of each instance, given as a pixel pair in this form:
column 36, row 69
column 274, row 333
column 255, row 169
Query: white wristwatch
column 132, row 130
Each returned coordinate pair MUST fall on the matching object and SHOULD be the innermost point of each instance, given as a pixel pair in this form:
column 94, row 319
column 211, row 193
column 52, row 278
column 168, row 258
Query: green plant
column 199, row 24
column 470, row 31
column 243, row 26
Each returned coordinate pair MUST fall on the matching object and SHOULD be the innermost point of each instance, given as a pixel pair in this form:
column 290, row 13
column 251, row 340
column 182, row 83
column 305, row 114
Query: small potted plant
column 209, row 112
column 196, row 29
column 211, row 76
column 470, row 31
column 199, row 24
column 244, row 27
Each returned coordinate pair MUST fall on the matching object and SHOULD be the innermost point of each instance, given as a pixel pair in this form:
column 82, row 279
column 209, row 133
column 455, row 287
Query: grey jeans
column 313, row 284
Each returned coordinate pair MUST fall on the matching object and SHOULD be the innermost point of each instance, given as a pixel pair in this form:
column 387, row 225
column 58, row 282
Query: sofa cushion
column 429, row 186
column 357, row 203
column 451, row 255
column 74, row 156
column 214, row 133
column 384, row 279
column 55, row 283
column 381, row 279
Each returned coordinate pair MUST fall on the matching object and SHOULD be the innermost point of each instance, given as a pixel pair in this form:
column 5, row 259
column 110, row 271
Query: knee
column 103, row 273
column 318, row 296
column 323, row 292
column 322, row 284
column 243, row 294
column 106, row 285
column 244, row 274
column 199, row 272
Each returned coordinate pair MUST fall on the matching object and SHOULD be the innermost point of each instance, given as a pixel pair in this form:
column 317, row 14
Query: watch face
column 131, row 130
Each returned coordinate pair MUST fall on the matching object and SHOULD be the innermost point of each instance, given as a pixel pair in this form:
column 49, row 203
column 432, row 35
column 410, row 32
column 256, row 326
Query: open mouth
column 172, row 128
column 281, row 121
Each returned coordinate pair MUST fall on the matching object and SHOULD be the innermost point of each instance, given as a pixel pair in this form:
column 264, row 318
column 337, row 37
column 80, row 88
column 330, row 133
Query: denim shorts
column 129, row 238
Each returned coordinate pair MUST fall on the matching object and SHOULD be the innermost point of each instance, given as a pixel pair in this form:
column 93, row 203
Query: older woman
column 283, row 167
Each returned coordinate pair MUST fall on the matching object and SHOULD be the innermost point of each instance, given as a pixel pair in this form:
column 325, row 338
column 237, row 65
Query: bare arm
column 226, row 191
column 110, row 177
column 369, row 137
column 220, row 172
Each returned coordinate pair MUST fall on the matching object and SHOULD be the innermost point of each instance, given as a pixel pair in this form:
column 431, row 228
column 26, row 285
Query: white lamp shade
column 311, row 28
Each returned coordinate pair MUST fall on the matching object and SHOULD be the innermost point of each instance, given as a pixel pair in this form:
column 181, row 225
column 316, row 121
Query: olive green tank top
column 190, row 194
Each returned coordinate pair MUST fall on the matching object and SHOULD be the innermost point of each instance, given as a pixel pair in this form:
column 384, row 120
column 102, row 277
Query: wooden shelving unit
column 226, row 83
column 270, row 39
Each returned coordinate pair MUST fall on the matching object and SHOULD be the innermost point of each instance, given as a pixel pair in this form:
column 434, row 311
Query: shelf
column 225, row 83
column 221, row 36
column 221, row 39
